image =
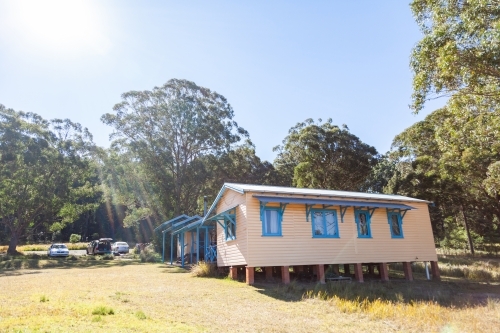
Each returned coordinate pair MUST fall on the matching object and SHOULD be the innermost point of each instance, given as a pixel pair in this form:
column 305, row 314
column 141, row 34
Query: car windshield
column 121, row 243
column 59, row 246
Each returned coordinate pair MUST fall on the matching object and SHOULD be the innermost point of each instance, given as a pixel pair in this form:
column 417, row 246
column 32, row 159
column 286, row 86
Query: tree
column 325, row 156
column 168, row 131
column 455, row 165
column 460, row 50
column 44, row 172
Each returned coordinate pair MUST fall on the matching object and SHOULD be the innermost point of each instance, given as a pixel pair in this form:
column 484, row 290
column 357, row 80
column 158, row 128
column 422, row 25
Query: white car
column 58, row 250
column 120, row 247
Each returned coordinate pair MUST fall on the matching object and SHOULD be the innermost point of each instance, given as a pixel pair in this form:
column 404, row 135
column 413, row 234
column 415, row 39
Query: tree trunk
column 466, row 223
column 14, row 239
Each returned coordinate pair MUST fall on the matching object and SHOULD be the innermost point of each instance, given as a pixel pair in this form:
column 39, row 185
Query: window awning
column 223, row 214
column 343, row 204
column 332, row 202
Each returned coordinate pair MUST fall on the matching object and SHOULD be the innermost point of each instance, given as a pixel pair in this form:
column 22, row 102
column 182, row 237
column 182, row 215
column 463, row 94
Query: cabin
column 277, row 231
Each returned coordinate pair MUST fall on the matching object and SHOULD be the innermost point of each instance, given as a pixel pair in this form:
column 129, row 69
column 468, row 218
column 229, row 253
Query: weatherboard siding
column 296, row 246
column 232, row 252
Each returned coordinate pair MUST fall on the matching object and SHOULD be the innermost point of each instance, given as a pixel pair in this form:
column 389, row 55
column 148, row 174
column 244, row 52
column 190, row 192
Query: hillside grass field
column 85, row 294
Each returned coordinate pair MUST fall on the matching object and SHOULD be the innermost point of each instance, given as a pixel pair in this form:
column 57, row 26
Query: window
column 271, row 222
column 324, row 224
column 363, row 223
column 230, row 227
column 395, row 224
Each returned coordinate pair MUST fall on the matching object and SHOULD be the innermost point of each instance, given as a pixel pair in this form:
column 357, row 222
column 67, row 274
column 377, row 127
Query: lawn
column 60, row 295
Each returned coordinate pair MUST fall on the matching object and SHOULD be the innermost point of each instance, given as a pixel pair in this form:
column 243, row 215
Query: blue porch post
column 197, row 244
column 171, row 249
column 192, row 248
column 181, row 240
column 163, row 249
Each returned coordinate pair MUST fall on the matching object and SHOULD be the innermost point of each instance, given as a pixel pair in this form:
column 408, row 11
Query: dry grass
column 43, row 247
column 79, row 296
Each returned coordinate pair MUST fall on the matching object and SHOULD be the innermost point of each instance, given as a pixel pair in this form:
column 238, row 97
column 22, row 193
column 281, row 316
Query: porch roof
column 168, row 223
column 177, row 226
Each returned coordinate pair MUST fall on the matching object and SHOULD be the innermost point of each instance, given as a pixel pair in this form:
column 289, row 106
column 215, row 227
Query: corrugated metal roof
column 317, row 192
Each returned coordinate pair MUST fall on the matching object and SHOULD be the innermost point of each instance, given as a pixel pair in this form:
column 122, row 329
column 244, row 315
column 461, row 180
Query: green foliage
column 455, row 167
column 103, row 311
column 108, row 257
column 165, row 133
column 459, row 51
column 44, row 167
column 74, row 238
column 149, row 255
column 204, row 269
column 325, row 156
column 44, row 299
column 95, row 236
column 140, row 315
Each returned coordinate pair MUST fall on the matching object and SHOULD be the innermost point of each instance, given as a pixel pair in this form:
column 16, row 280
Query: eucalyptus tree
column 325, row 156
column 459, row 52
column 168, row 131
column 45, row 167
column 454, row 155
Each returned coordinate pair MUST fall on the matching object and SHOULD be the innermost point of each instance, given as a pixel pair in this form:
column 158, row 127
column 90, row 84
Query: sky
column 277, row 62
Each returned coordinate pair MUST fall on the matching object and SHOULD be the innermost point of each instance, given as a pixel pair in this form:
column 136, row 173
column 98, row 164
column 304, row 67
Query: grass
column 130, row 296
column 43, row 247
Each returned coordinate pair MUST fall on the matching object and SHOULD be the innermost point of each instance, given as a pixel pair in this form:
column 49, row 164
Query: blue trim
column 368, row 216
column 280, row 210
column 400, row 223
column 343, row 210
column 326, row 235
column 330, row 202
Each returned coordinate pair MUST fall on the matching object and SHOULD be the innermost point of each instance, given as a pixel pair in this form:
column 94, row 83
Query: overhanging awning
column 168, row 223
column 331, row 202
column 343, row 204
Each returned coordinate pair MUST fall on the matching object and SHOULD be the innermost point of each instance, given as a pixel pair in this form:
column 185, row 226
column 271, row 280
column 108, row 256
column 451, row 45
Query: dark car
column 100, row 246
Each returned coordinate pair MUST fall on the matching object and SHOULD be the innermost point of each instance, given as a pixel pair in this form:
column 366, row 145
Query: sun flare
column 58, row 26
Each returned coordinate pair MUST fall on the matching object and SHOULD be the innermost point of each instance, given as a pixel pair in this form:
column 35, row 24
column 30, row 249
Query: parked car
column 58, row 250
column 100, row 246
column 120, row 247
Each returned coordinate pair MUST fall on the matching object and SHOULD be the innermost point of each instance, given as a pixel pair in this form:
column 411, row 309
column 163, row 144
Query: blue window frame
column 229, row 229
column 271, row 221
column 324, row 223
column 363, row 221
column 395, row 224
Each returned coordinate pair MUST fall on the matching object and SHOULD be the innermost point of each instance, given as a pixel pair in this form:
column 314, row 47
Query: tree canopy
column 325, row 156
column 459, row 52
column 44, row 173
column 169, row 130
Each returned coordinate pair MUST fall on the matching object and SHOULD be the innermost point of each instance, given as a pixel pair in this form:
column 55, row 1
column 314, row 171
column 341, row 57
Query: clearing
column 60, row 295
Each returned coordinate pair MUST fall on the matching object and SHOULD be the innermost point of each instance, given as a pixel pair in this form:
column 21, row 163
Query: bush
column 108, row 257
column 103, row 311
column 149, row 255
column 204, row 269
column 74, row 238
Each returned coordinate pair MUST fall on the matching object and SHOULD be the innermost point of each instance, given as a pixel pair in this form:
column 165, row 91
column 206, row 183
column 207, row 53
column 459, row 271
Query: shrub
column 72, row 258
column 140, row 315
column 44, row 299
column 74, row 238
column 103, row 311
column 204, row 269
column 149, row 255
column 108, row 257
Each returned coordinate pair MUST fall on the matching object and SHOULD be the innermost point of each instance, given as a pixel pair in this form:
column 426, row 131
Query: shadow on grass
column 174, row 269
column 446, row 294
column 8, row 265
